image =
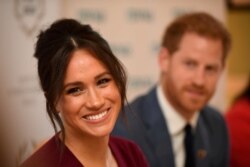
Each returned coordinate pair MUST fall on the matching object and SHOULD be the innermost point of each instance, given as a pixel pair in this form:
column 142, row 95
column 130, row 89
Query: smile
column 97, row 116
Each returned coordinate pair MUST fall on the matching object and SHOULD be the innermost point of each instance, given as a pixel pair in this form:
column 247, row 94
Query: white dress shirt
column 176, row 124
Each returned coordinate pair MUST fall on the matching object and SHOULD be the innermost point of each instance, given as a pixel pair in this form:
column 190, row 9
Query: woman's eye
column 103, row 81
column 74, row 91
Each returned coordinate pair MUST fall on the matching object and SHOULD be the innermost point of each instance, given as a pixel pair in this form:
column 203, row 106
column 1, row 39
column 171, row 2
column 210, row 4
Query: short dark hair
column 200, row 23
column 53, row 50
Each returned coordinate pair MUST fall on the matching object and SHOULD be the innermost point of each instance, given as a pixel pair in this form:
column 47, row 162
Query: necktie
column 189, row 147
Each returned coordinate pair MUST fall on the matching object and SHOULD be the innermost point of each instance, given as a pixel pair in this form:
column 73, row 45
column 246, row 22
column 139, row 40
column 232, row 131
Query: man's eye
column 190, row 63
column 211, row 69
column 74, row 91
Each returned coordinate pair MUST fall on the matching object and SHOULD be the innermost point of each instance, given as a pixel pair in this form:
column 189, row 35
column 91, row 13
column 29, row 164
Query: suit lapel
column 155, row 123
column 202, row 144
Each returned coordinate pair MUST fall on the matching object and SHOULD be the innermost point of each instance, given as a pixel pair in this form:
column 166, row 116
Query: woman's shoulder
column 52, row 154
column 127, row 153
column 42, row 155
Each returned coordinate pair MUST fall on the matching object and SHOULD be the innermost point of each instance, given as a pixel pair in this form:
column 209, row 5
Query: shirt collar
column 175, row 121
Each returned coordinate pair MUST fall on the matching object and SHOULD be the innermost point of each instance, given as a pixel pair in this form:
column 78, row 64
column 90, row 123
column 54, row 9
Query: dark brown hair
column 53, row 50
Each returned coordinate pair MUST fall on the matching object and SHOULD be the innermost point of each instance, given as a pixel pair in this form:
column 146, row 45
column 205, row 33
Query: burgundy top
column 126, row 153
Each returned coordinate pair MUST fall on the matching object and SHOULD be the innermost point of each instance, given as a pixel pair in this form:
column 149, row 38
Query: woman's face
column 91, row 101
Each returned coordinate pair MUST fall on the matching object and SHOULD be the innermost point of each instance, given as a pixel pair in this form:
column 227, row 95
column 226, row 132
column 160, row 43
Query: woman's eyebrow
column 76, row 83
column 102, row 74
column 72, row 84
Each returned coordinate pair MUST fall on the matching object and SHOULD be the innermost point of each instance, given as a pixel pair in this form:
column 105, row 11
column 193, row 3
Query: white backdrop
column 22, row 102
column 132, row 27
column 134, row 30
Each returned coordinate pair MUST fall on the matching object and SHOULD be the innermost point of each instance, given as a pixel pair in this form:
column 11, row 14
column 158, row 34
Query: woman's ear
column 58, row 106
column 163, row 59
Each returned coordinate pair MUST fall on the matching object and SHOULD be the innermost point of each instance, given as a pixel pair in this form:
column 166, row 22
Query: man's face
column 190, row 74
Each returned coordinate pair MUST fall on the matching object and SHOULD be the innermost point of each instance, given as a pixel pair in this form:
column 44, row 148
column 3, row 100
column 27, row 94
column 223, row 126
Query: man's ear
column 164, row 59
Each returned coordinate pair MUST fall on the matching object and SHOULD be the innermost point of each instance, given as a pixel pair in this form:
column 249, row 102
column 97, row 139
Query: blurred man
column 172, row 123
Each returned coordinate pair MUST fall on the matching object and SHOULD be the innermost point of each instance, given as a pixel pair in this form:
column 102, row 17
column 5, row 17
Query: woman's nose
column 94, row 99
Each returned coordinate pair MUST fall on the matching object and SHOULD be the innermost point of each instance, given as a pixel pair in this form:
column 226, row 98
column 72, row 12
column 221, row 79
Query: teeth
column 95, row 117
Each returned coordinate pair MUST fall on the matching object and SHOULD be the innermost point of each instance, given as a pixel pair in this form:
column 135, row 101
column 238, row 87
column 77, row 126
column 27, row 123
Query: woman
column 85, row 88
column 238, row 121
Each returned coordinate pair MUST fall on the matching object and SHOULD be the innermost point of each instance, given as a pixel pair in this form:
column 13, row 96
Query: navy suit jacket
column 144, row 123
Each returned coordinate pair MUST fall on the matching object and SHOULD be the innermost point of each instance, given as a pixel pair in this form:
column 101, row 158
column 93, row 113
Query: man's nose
column 199, row 77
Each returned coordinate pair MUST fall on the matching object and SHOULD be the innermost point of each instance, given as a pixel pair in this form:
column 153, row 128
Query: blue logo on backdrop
column 86, row 15
column 140, row 15
column 121, row 50
column 176, row 12
column 140, row 82
column 155, row 48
